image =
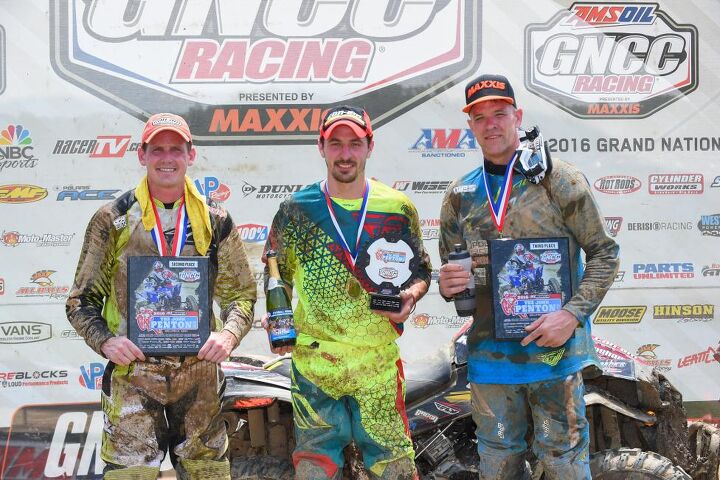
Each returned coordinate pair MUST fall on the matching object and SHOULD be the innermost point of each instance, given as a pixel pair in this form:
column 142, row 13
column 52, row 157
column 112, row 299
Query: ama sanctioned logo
column 263, row 72
column 611, row 60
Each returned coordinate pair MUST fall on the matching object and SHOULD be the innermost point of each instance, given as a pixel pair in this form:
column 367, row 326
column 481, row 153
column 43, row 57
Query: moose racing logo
column 611, row 60
column 261, row 71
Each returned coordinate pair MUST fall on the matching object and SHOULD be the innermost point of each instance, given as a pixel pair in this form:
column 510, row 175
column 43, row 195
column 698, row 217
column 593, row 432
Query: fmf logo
column 91, row 375
column 253, row 232
column 617, row 184
column 289, row 60
column 443, row 143
column 20, row 193
column 104, row 146
column 211, row 186
column 680, row 183
column 709, row 225
column 611, row 60
column 613, row 224
column 620, row 314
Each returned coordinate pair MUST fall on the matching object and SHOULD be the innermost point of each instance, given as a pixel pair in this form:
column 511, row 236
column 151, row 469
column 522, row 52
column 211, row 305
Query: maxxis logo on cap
column 264, row 71
column 611, row 60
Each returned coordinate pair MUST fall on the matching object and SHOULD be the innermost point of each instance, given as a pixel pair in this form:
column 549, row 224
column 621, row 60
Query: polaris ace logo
column 611, row 60
column 264, row 71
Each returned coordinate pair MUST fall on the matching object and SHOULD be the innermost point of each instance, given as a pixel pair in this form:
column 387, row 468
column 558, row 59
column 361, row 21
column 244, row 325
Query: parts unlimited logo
column 264, row 71
column 611, row 60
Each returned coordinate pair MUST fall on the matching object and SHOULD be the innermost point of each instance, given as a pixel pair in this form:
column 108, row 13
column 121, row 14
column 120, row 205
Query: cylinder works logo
column 611, row 60
column 261, row 71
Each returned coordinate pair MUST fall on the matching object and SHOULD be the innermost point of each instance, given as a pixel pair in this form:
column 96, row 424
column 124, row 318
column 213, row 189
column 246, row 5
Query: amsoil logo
column 21, row 193
column 709, row 225
column 613, row 224
column 430, row 228
column 24, row 332
column 617, row 184
column 253, row 232
column 676, row 183
column 684, row 313
column 611, row 60
column 16, row 150
column 620, row 314
column 424, row 320
column 104, row 146
column 266, row 70
column 422, row 186
column 444, row 142
column 213, row 187
column 648, row 354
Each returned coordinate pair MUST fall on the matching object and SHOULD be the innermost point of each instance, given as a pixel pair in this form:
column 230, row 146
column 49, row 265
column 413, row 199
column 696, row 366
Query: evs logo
column 444, row 143
column 252, row 232
column 16, row 149
column 289, row 60
column 611, row 60
column 212, row 187
column 91, row 375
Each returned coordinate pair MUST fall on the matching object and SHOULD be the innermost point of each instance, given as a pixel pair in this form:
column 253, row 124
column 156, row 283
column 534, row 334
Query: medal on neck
column 498, row 207
column 181, row 227
column 353, row 287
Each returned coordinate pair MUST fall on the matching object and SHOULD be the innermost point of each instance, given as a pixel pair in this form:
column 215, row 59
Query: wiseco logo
column 20, row 193
column 263, row 71
column 621, row 314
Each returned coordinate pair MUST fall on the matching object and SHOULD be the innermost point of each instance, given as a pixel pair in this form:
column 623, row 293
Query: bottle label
column 282, row 326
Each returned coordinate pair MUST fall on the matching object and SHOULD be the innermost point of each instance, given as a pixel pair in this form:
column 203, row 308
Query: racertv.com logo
column 261, row 71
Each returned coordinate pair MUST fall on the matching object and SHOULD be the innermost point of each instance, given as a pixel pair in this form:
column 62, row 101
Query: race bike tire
column 262, row 467
column 553, row 285
column 191, row 303
column 633, row 464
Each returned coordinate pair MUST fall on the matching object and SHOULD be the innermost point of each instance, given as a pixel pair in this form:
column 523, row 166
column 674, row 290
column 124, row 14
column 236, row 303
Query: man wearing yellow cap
column 158, row 403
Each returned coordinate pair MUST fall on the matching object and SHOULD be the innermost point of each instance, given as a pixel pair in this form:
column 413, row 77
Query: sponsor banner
column 649, row 355
column 36, row 378
column 264, row 72
column 709, row 225
column 268, row 191
column 253, row 232
column 211, row 186
column 69, row 334
column 21, row 193
column 43, row 286
column 712, row 270
column 612, row 225
column 660, row 271
column 16, row 149
column 684, row 313
column 619, row 314
column 103, row 146
column 611, row 60
column 617, row 184
column 421, row 186
column 676, row 184
column 659, row 226
column 430, row 228
column 710, row 355
column 84, row 192
column 424, row 320
column 91, row 375
column 619, row 276
column 15, row 238
column 24, row 332
column 444, row 143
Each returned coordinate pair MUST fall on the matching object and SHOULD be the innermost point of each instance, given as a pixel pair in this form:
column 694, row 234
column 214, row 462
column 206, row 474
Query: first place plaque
column 168, row 304
column 530, row 277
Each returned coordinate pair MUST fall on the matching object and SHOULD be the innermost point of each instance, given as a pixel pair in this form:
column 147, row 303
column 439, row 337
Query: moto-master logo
column 611, row 60
column 261, row 71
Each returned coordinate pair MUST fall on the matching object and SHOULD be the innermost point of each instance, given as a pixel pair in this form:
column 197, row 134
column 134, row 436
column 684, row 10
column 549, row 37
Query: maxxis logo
column 264, row 71
column 611, row 60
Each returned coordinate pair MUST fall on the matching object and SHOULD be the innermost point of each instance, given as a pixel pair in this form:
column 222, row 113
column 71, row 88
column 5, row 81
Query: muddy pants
column 165, row 403
column 366, row 408
column 556, row 408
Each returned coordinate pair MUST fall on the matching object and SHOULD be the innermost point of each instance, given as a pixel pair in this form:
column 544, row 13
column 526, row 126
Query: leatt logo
column 587, row 62
column 613, row 224
column 676, row 183
column 620, row 314
column 267, row 69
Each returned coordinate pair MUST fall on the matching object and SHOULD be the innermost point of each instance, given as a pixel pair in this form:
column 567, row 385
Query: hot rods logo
column 611, row 60
column 261, row 71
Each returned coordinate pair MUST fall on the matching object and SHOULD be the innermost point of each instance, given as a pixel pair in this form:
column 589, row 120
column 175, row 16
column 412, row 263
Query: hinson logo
column 264, row 71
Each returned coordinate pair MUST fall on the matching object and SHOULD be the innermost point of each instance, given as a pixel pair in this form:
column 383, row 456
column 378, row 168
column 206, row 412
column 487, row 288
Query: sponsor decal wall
column 626, row 91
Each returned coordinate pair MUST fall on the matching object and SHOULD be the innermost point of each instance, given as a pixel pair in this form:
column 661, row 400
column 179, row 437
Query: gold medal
column 353, row 287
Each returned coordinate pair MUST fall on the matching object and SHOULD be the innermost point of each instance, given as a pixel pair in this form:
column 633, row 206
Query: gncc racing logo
column 261, row 71
column 611, row 60
column 444, row 143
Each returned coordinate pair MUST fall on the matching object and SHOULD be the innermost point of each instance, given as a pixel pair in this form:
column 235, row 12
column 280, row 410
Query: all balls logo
column 261, row 72
column 611, row 60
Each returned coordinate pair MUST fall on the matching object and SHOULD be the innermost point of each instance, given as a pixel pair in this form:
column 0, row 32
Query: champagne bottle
column 279, row 308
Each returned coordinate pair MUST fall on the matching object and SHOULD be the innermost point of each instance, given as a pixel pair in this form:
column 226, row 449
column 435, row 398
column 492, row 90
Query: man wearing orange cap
column 157, row 403
column 347, row 378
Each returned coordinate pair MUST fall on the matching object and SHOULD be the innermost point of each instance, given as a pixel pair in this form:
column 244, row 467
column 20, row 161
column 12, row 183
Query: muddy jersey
column 97, row 304
column 330, row 305
column 562, row 206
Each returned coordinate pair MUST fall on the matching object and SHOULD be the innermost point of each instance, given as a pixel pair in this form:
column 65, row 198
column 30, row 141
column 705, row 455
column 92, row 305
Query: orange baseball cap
column 166, row 121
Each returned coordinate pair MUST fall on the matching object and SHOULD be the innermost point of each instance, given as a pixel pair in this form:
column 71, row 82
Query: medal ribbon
column 181, row 227
column 351, row 256
column 498, row 207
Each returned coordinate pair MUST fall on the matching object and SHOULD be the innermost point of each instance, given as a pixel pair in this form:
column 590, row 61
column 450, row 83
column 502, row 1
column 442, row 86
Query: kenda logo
column 611, row 60
column 258, row 71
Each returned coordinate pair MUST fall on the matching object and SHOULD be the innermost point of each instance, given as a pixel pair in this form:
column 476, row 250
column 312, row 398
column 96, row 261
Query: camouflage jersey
column 332, row 310
column 561, row 206
column 97, row 304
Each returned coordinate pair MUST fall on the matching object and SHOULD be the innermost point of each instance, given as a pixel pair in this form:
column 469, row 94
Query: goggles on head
column 533, row 158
